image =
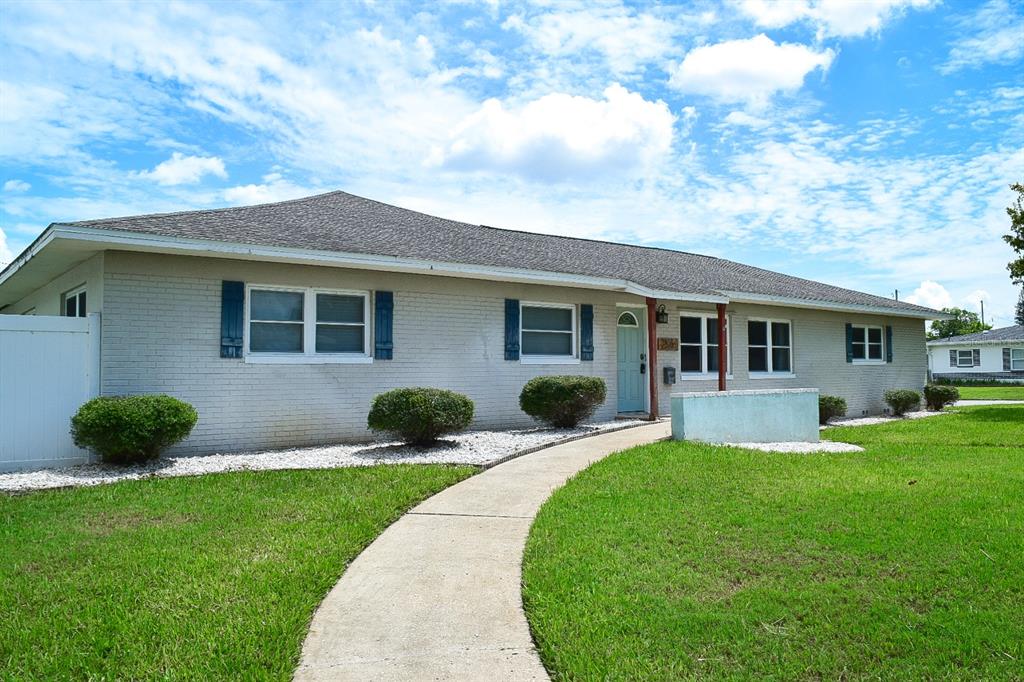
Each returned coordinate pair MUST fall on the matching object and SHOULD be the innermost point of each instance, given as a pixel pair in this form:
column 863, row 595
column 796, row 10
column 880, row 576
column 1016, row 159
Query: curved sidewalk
column 437, row 595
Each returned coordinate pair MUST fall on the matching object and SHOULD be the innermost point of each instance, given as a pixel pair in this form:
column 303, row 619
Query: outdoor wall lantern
column 661, row 315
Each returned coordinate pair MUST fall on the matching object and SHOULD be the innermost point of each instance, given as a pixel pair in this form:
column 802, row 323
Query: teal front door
column 631, row 358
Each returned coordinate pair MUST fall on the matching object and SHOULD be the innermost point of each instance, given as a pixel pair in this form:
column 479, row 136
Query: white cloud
column 6, row 256
column 836, row 18
column 994, row 34
column 185, row 170
column 16, row 186
column 931, row 294
column 749, row 70
column 273, row 188
column 560, row 135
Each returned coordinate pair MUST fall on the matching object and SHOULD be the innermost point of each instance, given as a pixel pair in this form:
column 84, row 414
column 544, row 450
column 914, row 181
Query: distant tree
column 1016, row 237
column 963, row 322
column 1018, row 317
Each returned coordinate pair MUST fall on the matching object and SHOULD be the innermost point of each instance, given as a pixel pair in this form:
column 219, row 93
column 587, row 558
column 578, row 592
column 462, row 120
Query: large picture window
column 548, row 330
column 867, row 344
column 698, row 344
column 769, row 347
column 308, row 323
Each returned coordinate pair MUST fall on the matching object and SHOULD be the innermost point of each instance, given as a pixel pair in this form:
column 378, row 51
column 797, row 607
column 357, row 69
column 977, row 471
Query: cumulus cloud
column 559, row 135
column 273, row 188
column 932, row 295
column 838, row 18
column 185, row 170
column 17, row 186
column 6, row 256
column 749, row 70
column 993, row 34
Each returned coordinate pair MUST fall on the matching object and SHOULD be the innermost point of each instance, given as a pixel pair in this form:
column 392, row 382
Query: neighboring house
column 996, row 355
column 281, row 322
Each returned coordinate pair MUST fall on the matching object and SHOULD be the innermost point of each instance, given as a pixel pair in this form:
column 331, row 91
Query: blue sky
column 865, row 144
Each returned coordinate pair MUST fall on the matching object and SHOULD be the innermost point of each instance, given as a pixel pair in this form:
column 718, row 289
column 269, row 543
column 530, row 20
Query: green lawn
column 675, row 561
column 991, row 392
column 207, row 577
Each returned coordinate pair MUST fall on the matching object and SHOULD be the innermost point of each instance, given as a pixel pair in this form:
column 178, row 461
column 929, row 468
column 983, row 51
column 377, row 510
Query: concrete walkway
column 437, row 595
column 976, row 403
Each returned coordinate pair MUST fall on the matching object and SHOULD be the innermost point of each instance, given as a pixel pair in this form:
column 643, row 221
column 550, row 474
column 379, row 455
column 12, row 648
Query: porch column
column 652, row 356
column 722, row 353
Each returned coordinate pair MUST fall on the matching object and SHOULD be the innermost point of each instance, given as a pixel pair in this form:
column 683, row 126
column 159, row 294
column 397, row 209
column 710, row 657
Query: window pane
column 713, row 358
column 275, row 338
column 758, row 359
column 859, row 350
column 546, row 343
column 331, row 338
column 757, row 333
column 780, row 333
column 858, row 334
column 81, row 304
column 689, row 330
column 71, row 307
column 336, row 308
column 874, row 335
column 875, row 351
column 276, row 305
column 689, row 358
column 1017, row 353
column 559, row 319
column 628, row 320
column 780, row 360
column 712, row 324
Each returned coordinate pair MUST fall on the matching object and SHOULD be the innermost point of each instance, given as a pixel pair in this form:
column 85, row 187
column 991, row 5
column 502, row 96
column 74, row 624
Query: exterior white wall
column 991, row 359
column 47, row 300
column 49, row 366
column 818, row 356
column 161, row 333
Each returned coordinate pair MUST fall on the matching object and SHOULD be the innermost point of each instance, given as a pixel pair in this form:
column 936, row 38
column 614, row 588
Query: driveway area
column 437, row 595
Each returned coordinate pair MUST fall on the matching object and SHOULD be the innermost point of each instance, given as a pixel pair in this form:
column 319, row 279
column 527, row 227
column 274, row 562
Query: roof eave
column 788, row 302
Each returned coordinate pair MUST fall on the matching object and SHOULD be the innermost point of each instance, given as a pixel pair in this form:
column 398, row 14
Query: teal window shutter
column 888, row 343
column 383, row 338
column 232, row 318
column 849, row 342
column 586, row 332
column 511, row 329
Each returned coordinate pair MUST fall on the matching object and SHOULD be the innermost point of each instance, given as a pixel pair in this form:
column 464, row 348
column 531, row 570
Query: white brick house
column 281, row 322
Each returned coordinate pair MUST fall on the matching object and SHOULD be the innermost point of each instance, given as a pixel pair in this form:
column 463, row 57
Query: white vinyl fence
column 49, row 366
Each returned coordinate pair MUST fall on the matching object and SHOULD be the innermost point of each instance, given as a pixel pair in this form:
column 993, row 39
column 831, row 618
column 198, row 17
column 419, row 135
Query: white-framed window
column 868, row 344
column 293, row 324
column 1017, row 359
column 965, row 358
column 547, row 332
column 769, row 348
column 74, row 303
column 698, row 345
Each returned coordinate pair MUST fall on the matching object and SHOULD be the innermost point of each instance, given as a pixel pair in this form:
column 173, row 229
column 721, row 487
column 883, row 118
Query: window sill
column 869, row 362
column 771, row 375
column 548, row 360
column 297, row 359
column 702, row 376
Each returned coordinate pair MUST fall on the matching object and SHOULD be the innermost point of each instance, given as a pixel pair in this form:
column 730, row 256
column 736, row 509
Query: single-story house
column 280, row 322
column 993, row 355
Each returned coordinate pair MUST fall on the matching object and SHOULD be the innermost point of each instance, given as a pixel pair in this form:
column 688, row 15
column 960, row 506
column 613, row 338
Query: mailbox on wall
column 669, row 374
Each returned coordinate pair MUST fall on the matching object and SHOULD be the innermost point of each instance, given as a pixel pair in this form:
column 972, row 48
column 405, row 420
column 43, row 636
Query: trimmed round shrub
column 419, row 416
column 938, row 396
column 562, row 401
column 130, row 429
column 902, row 400
column 830, row 406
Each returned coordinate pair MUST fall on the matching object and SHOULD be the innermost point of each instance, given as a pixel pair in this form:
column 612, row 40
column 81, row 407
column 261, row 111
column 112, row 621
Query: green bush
column 902, row 400
column 830, row 406
column 419, row 416
column 562, row 401
column 938, row 396
column 130, row 429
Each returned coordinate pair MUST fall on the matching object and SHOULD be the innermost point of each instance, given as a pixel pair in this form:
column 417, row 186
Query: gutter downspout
column 722, row 354
column 652, row 356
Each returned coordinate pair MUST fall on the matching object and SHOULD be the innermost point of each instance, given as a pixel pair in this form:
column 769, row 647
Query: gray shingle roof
column 1014, row 333
column 338, row 221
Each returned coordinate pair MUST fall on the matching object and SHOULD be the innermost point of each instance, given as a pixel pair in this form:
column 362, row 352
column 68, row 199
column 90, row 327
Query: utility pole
column 983, row 312
column 897, row 294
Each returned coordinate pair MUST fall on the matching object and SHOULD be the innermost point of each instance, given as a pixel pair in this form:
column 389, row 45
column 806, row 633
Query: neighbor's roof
column 1002, row 335
column 342, row 222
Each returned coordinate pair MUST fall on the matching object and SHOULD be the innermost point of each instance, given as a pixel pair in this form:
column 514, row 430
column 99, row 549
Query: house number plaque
column 668, row 344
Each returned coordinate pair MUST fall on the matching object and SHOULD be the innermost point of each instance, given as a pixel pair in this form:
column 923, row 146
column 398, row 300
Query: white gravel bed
column 470, row 447
column 868, row 421
column 794, row 446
